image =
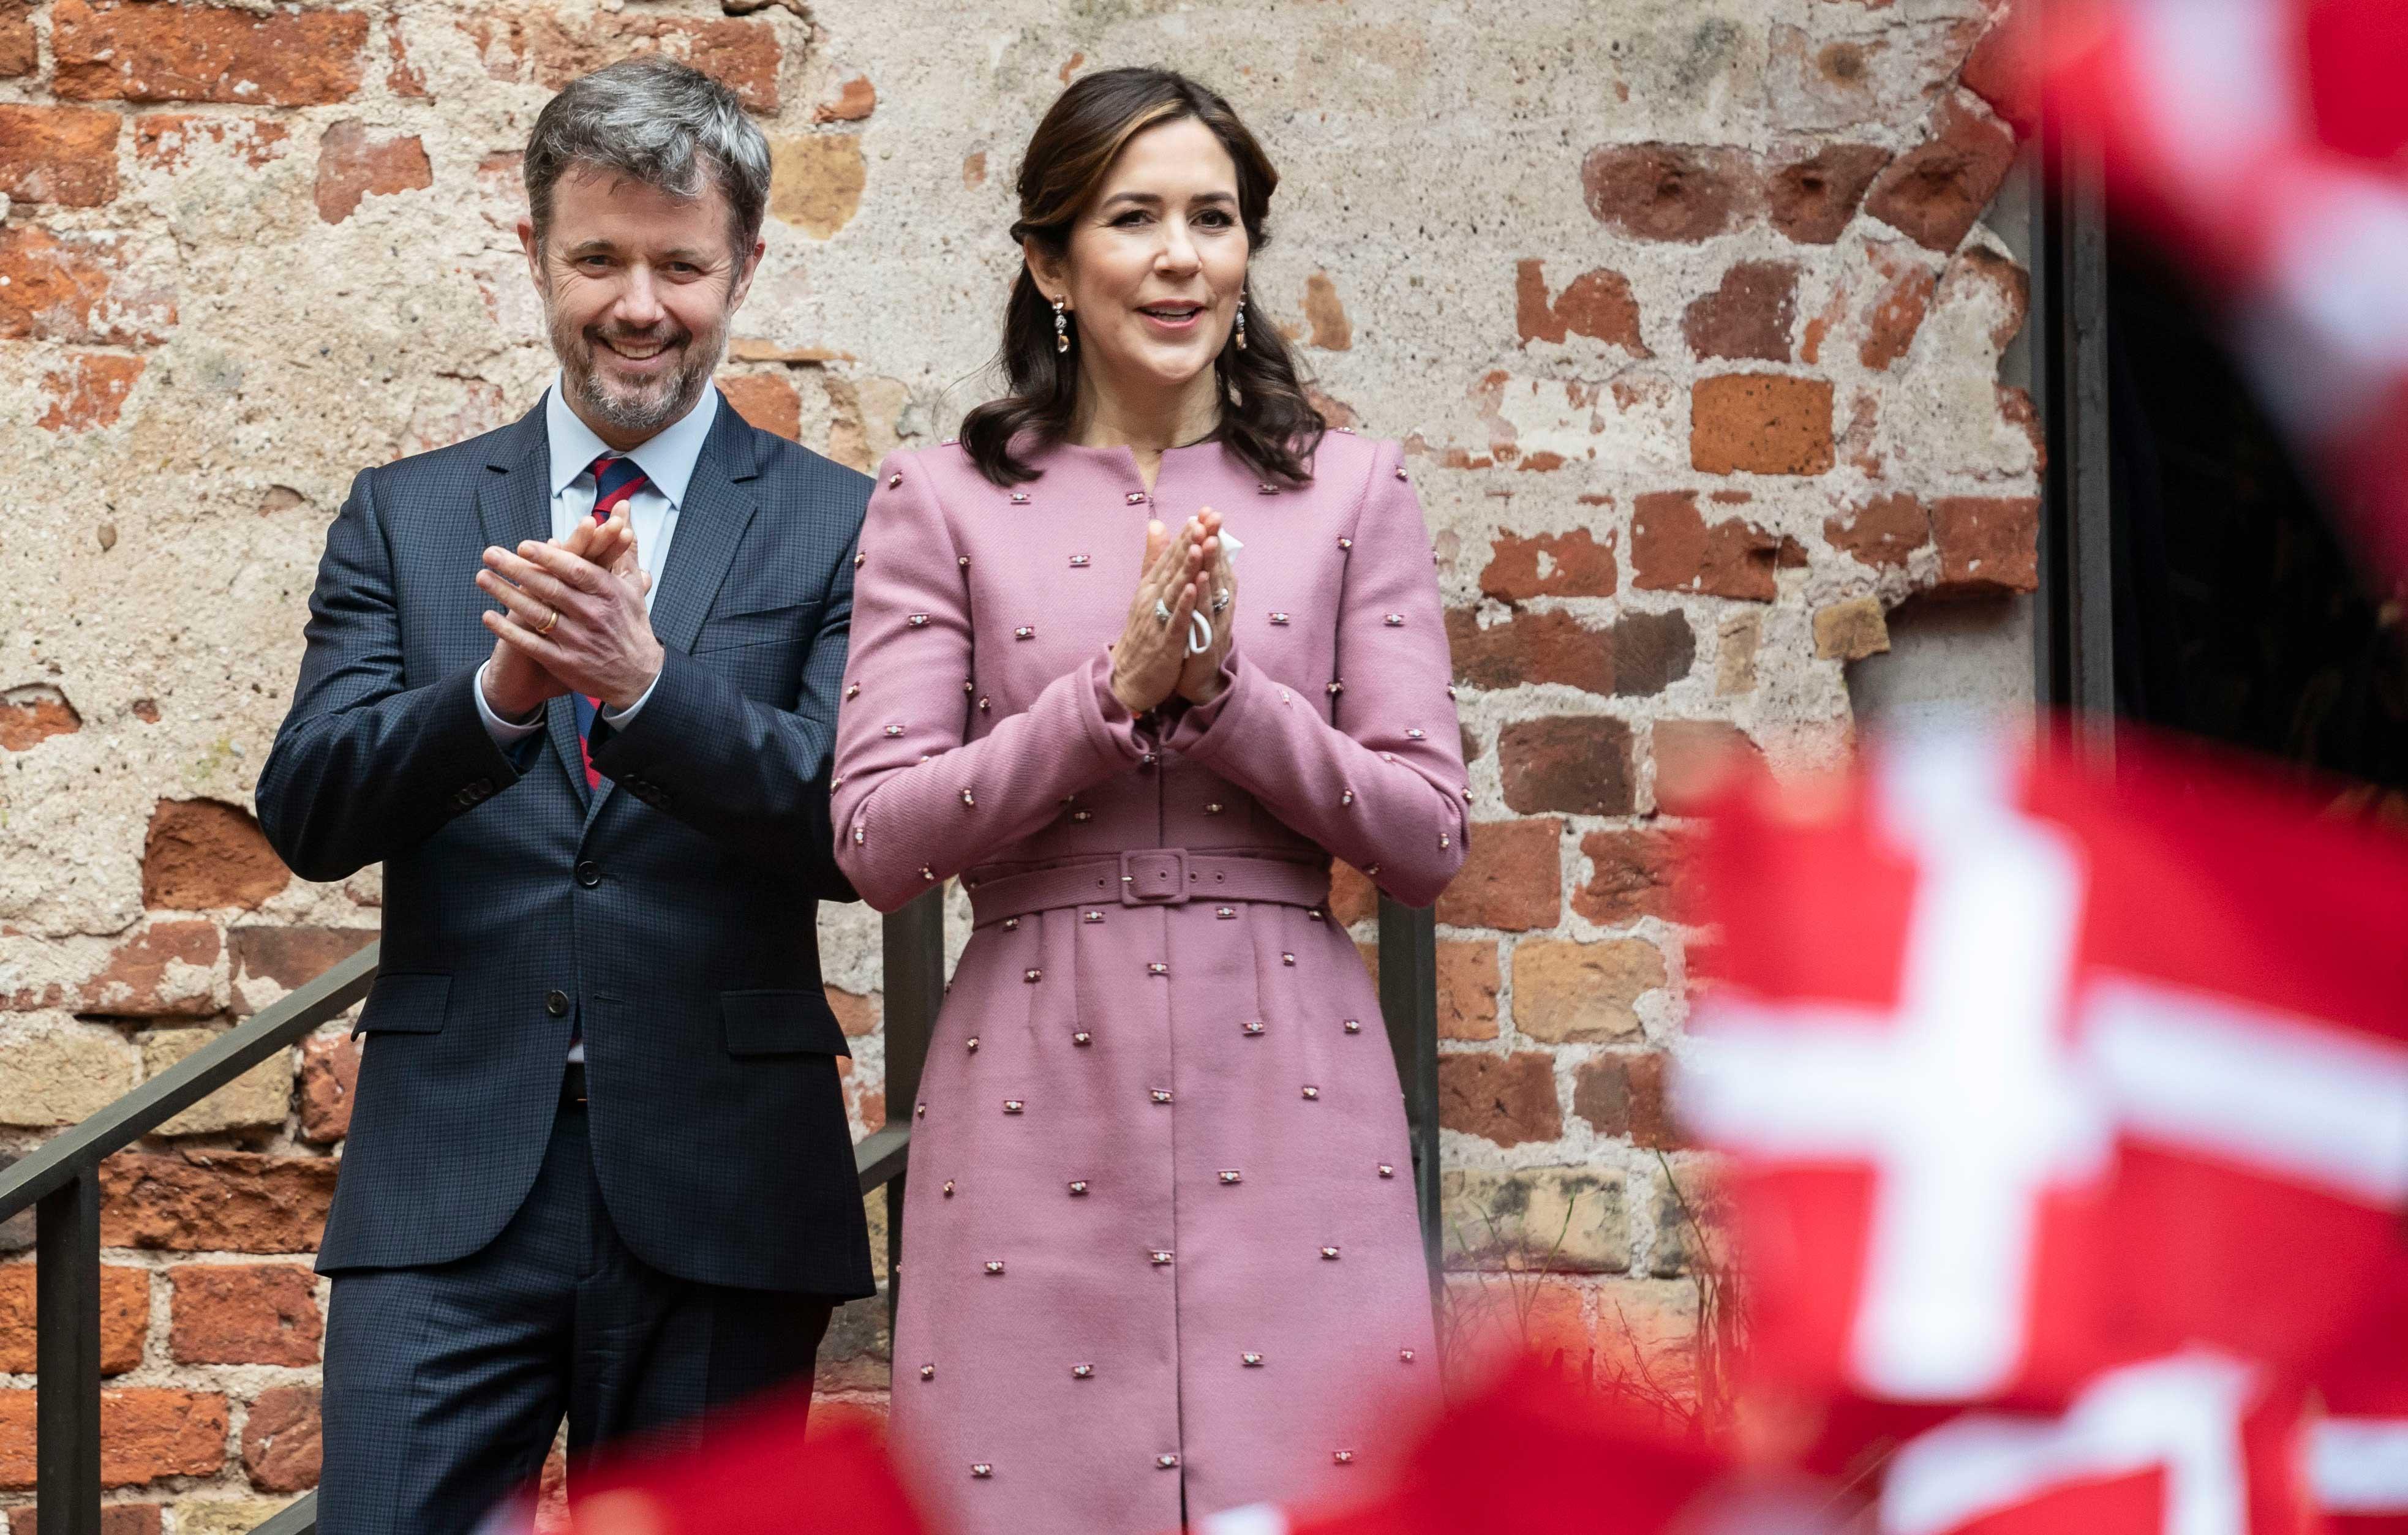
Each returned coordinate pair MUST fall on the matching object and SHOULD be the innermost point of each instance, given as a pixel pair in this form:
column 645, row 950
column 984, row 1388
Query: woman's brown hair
column 1266, row 420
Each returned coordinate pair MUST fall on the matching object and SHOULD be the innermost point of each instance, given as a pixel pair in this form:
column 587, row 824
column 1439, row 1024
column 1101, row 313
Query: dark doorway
column 2237, row 614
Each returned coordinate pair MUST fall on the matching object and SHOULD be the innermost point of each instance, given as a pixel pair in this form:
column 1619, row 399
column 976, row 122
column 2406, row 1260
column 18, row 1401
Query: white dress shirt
column 667, row 460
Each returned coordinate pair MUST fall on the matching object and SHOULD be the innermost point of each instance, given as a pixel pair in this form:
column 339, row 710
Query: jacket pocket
column 404, row 1003
column 780, row 1023
column 762, row 626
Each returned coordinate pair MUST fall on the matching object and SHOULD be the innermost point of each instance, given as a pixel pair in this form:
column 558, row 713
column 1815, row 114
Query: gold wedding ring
column 550, row 617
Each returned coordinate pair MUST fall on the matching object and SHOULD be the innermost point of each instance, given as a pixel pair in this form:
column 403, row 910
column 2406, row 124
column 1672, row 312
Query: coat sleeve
column 753, row 777
column 362, row 766
column 1381, row 782
column 915, row 799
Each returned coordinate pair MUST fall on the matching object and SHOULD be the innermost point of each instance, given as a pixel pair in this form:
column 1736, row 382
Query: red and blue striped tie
column 616, row 480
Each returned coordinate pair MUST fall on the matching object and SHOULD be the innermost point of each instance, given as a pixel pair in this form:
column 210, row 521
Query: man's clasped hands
column 575, row 619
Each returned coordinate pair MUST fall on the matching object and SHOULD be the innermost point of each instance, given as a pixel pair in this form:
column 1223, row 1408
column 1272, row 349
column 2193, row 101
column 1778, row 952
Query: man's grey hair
column 662, row 123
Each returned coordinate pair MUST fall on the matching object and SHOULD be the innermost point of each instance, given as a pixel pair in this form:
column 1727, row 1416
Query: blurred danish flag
column 2025, row 1066
column 2358, row 1455
column 2261, row 141
column 2195, row 1444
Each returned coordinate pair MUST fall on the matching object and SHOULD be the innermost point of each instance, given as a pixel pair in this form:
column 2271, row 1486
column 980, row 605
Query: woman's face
column 1156, row 264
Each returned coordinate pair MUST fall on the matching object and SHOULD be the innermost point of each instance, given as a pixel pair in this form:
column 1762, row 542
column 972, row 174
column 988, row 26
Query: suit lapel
column 514, row 502
column 711, row 524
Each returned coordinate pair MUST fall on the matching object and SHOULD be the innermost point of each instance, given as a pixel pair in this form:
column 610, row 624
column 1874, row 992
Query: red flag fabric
column 2358, row 1455
column 2022, row 1064
column 1534, row 1455
column 2195, row 1444
column 2260, row 140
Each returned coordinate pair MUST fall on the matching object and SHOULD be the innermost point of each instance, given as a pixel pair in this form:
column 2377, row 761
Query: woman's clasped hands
column 1185, row 571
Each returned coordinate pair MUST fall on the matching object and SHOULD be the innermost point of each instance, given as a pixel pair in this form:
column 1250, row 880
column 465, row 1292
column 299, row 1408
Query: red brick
column 404, row 78
column 1597, row 304
column 1549, row 647
column 1468, row 981
column 203, row 854
column 1352, row 896
column 2004, row 67
column 1666, row 192
column 19, row 55
column 1623, row 1094
column 1632, row 874
column 292, row 957
column 1881, row 531
column 742, row 55
column 109, row 50
column 1509, row 1099
column 1987, row 546
column 124, row 1318
column 87, row 391
column 2015, row 408
column 115, row 1519
column 281, row 1439
column 1496, row 1319
column 1573, row 763
column 1752, row 314
column 1331, row 330
column 1760, row 422
column 1673, row 550
column 1813, row 200
column 137, row 983
column 766, row 401
column 243, row 1313
column 146, row 1433
column 215, row 1201
column 1550, row 565
column 855, row 99
column 165, row 141
column 1978, row 267
column 1511, row 877
column 856, row 1014
column 32, row 716
column 1652, row 652
column 1897, row 307
column 1692, row 759
column 65, row 155
column 82, row 286
column 330, row 1073
column 353, row 163
column 1935, row 192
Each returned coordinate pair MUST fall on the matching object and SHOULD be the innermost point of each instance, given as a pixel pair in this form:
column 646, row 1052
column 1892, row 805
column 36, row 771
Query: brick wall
column 1683, row 307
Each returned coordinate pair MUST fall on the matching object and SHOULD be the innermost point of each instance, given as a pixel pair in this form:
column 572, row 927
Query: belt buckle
column 1154, row 877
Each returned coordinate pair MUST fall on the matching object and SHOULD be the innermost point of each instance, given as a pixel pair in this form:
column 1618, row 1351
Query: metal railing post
column 913, row 941
column 66, row 1322
column 1408, row 1002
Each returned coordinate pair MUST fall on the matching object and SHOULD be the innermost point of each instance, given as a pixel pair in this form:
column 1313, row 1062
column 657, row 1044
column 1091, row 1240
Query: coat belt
column 1150, row 877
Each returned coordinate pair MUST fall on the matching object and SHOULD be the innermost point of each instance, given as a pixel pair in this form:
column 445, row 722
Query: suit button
column 589, row 874
column 556, row 1003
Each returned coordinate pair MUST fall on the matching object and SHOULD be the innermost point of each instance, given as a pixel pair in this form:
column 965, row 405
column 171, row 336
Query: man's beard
column 644, row 407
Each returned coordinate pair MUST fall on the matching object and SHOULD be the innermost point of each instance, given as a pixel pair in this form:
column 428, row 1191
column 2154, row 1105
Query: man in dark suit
column 598, row 1164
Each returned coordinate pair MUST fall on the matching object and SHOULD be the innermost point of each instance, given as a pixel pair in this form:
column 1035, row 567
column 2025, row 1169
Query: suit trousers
column 445, row 1386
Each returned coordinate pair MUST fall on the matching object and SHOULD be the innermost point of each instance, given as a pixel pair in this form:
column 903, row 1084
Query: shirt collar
column 667, row 457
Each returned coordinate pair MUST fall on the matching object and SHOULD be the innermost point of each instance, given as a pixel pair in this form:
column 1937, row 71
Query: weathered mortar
column 1680, row 307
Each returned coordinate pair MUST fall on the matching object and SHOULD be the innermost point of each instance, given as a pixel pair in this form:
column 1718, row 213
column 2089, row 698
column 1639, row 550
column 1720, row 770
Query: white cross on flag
column 2195, row 1444
column 2029, row 1071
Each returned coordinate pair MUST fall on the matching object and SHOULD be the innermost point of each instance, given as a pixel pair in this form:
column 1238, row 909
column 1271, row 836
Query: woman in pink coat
column 1160, row 1236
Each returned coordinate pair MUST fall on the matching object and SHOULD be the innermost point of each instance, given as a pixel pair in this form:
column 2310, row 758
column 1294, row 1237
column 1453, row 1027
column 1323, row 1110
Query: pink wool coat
column 1159, row 1236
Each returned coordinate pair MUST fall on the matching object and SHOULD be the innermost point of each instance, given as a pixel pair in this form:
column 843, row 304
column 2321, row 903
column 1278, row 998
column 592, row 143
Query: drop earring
column 1242, row 324
column 1061, row 328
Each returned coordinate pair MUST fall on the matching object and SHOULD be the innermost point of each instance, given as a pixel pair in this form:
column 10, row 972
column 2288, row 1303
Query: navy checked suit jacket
column 674, row 912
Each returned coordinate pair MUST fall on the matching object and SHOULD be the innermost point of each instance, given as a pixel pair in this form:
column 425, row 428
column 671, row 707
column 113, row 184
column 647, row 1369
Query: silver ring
column 1219, row 602
column 1161, row 611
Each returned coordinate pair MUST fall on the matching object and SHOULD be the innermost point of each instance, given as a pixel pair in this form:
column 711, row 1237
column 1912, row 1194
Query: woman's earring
column 1242, row 324
column 1061, row 328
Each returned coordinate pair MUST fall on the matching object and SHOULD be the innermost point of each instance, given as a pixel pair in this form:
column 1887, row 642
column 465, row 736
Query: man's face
column 638, row 289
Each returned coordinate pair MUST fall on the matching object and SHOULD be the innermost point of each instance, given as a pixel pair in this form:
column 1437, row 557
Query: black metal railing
column 61, row 1180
